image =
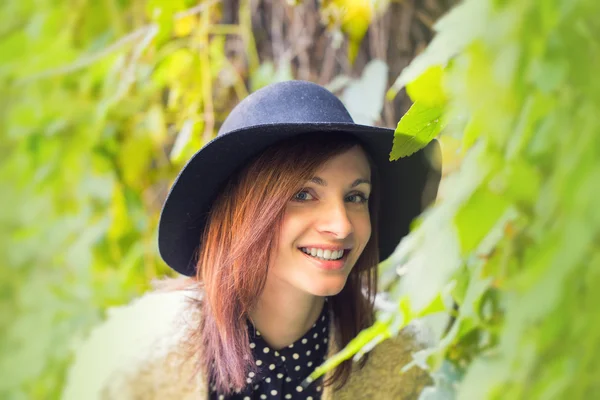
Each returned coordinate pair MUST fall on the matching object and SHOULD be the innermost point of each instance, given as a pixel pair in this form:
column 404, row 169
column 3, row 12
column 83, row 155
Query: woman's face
column 325, row 228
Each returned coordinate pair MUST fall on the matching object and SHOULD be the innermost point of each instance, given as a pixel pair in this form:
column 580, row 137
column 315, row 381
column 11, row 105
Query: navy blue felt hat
column 272, row 114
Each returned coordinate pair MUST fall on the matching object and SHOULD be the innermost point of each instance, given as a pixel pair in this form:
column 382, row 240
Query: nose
column 334, row 220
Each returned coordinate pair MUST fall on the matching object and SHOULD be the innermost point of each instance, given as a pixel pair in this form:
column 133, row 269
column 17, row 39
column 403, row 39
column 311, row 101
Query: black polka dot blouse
column 282, row 372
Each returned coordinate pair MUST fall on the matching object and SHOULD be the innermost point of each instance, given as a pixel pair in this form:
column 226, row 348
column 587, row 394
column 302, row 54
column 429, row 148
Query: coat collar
column 316, row 338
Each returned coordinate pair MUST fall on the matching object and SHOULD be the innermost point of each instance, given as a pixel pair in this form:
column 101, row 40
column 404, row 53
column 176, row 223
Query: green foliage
column 102, row 103
column 425, row 118
column 428, row 88
column 419, row 126
column 514, row 241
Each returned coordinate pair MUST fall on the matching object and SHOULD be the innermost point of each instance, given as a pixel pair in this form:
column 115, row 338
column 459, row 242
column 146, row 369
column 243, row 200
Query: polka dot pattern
column 280, row 373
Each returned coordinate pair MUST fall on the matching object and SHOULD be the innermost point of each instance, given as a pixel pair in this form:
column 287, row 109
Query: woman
column 276, row 221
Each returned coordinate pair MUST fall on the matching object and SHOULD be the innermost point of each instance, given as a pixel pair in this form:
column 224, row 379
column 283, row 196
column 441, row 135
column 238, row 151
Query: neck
column 284, row 314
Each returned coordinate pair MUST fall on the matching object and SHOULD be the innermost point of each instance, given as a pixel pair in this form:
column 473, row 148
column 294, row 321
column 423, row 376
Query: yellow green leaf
column 428, row 88
column 419, row 126
column 477, row 217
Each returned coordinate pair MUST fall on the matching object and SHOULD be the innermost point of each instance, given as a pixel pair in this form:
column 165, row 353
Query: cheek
column 288, row 234
column 292, row 225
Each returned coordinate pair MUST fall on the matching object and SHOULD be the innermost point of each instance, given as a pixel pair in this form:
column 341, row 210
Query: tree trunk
column 296, row 34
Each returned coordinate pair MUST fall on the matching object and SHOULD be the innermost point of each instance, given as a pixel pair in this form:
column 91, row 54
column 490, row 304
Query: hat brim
column 408, row 185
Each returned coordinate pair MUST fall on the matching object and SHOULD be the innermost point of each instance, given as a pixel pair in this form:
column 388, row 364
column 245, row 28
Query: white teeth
column 323, row 254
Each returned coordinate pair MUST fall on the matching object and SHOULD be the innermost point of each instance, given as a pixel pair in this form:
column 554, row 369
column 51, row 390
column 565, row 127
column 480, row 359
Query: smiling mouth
column 325, row 255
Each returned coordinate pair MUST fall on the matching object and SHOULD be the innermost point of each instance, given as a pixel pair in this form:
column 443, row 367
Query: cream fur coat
column 137, row 354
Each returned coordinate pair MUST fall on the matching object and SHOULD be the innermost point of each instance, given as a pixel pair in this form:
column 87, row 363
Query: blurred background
column 103, row 102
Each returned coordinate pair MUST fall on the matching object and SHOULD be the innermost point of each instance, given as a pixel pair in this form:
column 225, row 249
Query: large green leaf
column 419, row 126
column 428, row 88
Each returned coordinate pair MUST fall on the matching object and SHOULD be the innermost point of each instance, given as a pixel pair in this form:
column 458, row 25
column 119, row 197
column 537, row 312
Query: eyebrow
column 321, row 181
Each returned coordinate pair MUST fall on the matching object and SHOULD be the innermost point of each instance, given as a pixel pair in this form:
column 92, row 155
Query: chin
column 326, row 289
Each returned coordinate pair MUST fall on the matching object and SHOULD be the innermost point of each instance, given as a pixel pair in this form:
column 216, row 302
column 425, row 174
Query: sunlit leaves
column 186, row 143
column 538, row 153
column 352, row 17
column 95, row 95
column 419, row 126
column 428, row 88
column 453, row 35
column 477, row 216
column 521, row 210
column 162, row 12
column 174, row 66
column 426, row 117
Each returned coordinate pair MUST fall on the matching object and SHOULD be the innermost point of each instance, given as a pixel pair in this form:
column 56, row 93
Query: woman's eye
column 302, row 195
column 357, row 198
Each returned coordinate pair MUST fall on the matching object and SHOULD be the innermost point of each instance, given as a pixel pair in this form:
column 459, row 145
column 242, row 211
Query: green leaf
column 378, row 330
column 428, row 88
column 471, row 133
column 437, row 305
column 419, row 126
column 162, row 13
column 477, row 217
column 173, row 67
column 453, row 35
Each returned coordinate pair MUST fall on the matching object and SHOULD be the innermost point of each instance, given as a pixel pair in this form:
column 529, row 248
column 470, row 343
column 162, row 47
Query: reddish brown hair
column 233, row 263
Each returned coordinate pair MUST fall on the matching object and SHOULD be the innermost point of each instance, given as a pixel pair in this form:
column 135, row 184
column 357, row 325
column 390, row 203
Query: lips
column 323, row 254
column 328, row 264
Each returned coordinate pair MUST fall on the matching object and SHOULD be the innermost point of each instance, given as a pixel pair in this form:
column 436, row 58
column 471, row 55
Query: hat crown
column 287, row 103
